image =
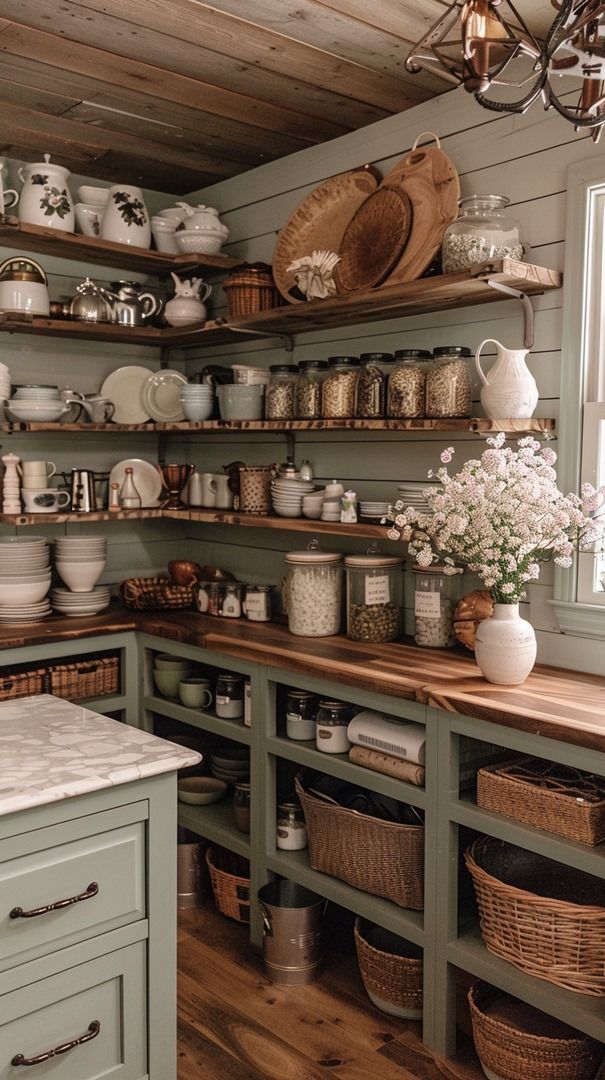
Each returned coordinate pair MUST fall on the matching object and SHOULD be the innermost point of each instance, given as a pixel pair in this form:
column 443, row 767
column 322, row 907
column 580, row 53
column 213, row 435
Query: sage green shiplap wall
column 525, row 158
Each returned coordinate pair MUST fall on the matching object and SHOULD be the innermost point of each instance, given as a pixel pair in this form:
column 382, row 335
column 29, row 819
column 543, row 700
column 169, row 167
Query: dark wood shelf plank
column 477, row 425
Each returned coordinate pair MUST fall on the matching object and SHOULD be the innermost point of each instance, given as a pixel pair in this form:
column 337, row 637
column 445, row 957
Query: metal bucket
column 292, row 924
column 190, row 885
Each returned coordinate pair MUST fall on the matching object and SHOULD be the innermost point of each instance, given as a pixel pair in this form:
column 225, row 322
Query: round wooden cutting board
column 374, row 240
column 320, row 221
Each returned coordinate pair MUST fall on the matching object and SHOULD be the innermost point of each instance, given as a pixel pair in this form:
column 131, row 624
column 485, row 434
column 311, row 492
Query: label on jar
column 427, row 605
column 222, row 700
column 377, row 589
column 256, row 606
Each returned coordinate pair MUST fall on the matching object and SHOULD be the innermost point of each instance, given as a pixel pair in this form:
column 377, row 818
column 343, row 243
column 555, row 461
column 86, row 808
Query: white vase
column 505, row 646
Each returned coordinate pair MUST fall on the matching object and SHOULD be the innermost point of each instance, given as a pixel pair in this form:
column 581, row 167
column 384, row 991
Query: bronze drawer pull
column 90, row 891
column 93, row 1030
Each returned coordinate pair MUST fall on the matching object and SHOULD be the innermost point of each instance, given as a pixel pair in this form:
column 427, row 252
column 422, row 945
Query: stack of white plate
column 78, row 604
column 80, row 561
column 5, row 383
column 373, row 510
column 411, row 495
column 24, row 579
column 287, row 496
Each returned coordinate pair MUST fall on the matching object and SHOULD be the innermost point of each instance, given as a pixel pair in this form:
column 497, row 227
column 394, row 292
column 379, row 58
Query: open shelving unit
column 478, row 425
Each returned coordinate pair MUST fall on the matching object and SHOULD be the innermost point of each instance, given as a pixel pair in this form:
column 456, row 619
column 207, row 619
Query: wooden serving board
column 374, row 240
column 320, row 221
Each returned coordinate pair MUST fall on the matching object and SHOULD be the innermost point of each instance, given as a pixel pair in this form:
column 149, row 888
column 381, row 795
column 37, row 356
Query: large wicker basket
column 94, row 677
column 546, row 795
column 378, row 857
column 230, row 880
column 512, row 1039
column 391, row 970
column 545, row 918
column 155, row 593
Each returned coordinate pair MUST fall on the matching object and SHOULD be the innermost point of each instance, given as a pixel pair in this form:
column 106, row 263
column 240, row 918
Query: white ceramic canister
column 125, row 218
column 510, row 390
column 312, row 593
column 45, row 197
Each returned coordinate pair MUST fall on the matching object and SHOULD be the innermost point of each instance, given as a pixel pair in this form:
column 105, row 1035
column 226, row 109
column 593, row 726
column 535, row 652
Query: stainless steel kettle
column 129, row 305
column 82, row 491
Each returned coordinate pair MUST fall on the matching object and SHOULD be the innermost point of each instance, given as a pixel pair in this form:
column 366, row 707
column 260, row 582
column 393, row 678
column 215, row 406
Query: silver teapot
column 125, row 303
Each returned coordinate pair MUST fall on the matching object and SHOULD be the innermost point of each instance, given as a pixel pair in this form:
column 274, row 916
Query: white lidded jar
column 45, row 196
column 482, row 232
column 313, row 592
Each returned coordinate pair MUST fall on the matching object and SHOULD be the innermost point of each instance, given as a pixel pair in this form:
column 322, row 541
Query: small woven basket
column 147, row 594
column 549, row 1051
column 379, row 857
column 22, row 684
column 548, row 796
column 84, row 678
column 545, row 918
column 393, row 981
column 251, row 289
column 230, row 880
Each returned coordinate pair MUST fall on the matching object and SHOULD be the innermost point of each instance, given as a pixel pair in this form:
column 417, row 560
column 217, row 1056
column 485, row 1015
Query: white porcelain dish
column 195, row 242
column 147, row 479
column 45, row 412
column 96, row 196
column 161, row 395
column 124, row 387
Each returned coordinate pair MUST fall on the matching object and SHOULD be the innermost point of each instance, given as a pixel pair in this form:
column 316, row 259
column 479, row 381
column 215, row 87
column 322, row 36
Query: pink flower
column 447, row 455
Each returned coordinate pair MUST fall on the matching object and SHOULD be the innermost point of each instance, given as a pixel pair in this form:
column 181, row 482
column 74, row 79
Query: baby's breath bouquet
column 500, row 517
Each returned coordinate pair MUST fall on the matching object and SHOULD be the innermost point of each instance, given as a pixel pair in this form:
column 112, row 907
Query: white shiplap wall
column 525, row 158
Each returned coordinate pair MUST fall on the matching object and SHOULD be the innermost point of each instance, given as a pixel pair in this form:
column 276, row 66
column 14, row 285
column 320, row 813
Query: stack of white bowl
column 5, row 383
column 80, row 561
column 197, row 400
column 163, row 229
column 40, row 403
column 24, row 579
column 410, row 494
column 373, row 510
column 287, row 496
column 312, row 504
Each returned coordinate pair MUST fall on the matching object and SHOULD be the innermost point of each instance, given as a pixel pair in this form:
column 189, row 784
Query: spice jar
column 308, row 389
column 435, row 599
column 291, row 828
column 231, row 606
column 209, row 597
column 372, row 385
column 301, row 713
column 333, row 719
column 374, row 597
column 482, row 231
column 280, row 394
column 229, row 700
column 448, row 383
column 339, row 387
column 406, row 394
column 313, row 592
column 241, row 807
column 257, row 603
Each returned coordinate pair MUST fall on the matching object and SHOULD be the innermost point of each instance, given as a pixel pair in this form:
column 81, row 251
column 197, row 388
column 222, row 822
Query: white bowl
column 192, row 241
column 164, row 240
column 45, row 412
column 172, row 213
column 24, row 593
column 196, row 412
column 97, row 196
column 80, row 577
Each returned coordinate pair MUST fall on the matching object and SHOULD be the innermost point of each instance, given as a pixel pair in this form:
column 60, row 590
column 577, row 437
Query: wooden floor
column 235, row 1025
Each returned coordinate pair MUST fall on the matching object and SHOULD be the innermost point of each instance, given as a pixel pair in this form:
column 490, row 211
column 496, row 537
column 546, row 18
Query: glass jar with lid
column 374, row 597
column 448, row 383
column 482, row 231
column 231, row 606
column 308, row 389
column 257, row 603
column 313, row 592
column 291, row 828
column 406, row 396
column 372, row 385
column 339, row 388
column 301, row 714
column 280, row 395
column 333, row 719
column 435, row 597
column 229, row 700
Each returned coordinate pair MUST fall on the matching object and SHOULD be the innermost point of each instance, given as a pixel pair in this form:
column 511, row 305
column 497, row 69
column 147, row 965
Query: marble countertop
column 52, row 749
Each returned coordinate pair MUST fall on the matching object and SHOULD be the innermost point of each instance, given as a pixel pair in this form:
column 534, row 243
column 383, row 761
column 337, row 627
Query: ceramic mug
column 195, row 693
column 31, row 469
column 125, row 218
column 208, row 490
column 44, row 500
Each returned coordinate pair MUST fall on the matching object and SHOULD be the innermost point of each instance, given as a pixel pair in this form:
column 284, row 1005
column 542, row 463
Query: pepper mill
column 11, row 502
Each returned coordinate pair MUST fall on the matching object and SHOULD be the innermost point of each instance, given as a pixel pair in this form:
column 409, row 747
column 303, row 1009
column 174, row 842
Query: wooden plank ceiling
column 177, row 94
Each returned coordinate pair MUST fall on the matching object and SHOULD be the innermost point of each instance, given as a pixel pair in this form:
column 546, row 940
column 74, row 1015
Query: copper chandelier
column 486, row 46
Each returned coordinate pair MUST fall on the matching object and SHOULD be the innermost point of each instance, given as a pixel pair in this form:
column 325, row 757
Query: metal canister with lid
column 374, row 597
column 257, row 603
column 333, row 719
column 301, row 714
column 406, row 396
column 313, row 592
column 448, row 383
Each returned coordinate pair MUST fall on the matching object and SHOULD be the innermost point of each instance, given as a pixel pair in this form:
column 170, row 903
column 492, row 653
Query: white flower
column 447, row 455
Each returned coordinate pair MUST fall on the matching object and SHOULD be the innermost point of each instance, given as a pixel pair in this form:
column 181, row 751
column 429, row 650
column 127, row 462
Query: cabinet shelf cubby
column 215, row 823
column 227, row 729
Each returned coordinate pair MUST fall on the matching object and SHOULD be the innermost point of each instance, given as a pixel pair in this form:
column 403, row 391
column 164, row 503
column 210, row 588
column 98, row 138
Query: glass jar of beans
column 435, row 597
column 372, row 385
column 280, row 395
column 448, row 383
column 339, row 388
column 406, row 398
column 308, row 389
column 374, row 597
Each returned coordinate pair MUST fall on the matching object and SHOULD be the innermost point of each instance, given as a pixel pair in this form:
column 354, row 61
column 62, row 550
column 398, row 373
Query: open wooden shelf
column 27, row 237
column 477, row 425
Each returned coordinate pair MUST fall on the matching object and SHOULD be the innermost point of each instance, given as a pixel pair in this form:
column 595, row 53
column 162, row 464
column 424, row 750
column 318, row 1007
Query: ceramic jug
column 224, row 495
column 125, row 218
column 45, row 196
column 187, row 305
column 193, row 492
column 510, row 390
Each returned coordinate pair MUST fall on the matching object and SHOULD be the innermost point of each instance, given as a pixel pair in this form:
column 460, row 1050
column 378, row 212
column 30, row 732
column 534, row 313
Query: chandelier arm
column 514, row 107
column 577, row 121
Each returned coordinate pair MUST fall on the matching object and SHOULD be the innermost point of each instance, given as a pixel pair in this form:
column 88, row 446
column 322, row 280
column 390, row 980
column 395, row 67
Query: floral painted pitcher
column 45, row 196
column 125, row 218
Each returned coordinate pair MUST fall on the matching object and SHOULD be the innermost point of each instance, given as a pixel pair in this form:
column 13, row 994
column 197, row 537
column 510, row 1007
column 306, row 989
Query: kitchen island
column 88, row 894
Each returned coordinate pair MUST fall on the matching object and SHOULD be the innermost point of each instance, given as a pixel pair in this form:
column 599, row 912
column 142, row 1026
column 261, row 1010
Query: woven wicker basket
column 147, row 594
column 230, row 880
column 391, row 970
column 545, row 918
column 535, row 1047
column 548, row 796
column 378, row 857
column 251, row 289
column 84, row 678
column 22, row 684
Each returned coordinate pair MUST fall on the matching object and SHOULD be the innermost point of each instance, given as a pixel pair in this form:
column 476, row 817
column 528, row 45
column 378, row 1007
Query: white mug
column 125, row 218
column 44, row 500
column 30, row 469
column 208, row 489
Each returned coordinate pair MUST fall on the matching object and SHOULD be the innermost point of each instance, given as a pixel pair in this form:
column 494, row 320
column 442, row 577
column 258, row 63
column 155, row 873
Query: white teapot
column 204, row 218
column 510, row 390
column 187, row 306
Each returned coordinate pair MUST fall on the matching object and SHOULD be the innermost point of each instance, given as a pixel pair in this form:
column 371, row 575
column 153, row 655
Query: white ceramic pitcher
column 125, row 218
column 45, row 197
column 510, row 390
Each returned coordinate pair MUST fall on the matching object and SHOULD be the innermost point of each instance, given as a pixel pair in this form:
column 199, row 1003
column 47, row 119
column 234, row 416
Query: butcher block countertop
column 564, row 705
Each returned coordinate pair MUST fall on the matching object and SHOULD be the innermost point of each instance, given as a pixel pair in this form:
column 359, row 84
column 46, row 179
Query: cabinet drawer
column 107, row 873
column 110, row 992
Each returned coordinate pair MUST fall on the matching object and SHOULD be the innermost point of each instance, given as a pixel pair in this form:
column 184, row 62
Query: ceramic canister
column 125, row 218
column 45, row 196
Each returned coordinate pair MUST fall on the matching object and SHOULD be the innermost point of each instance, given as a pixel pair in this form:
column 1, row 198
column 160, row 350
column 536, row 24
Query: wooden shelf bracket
column 286, row 339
